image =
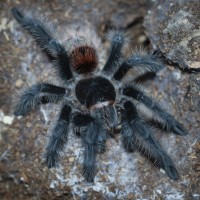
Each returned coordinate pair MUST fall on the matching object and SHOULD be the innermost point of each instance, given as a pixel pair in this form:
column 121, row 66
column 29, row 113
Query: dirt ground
column 23, row 174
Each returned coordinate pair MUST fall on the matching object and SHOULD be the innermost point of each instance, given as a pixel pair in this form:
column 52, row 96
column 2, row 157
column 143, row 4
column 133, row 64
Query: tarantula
column 95, row 102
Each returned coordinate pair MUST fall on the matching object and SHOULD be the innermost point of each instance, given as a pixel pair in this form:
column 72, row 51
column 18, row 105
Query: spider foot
column 170, row 168
column 100, row 148
column 179, row 129
column 19, row 112
column 89, row 173
column 51, row 159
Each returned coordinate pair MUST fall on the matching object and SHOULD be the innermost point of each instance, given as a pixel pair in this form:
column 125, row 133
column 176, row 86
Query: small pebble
column 8, row 119
column 159, row 191
column 130, row 196
column 71, row 159
column 177, row 75
column 144, row 187
column 111, row 188
column 142, row 39
column 19, row 83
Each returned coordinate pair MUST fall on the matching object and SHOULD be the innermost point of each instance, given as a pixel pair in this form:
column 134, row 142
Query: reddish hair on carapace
column 84, row 59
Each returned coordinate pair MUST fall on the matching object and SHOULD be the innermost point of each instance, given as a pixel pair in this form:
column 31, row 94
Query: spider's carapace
column 92, row 91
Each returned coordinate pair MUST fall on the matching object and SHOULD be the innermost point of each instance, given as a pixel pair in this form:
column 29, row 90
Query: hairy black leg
column 141, row 63
column 93, row 138
column 101, row 141
column 128, row 137
column 135, row 134
column 117, row 41
column 54, row 51
column 59, row 137
column 163, row 117
column 38, row 94
column 79, row 121
column 89, row 138
column 107, row 117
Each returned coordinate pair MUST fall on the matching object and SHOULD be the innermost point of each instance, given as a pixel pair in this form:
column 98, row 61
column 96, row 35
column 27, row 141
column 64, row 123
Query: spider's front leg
column 41, row 93
column 59, row 137
column 42, row 35
column 161, row 116
column 136, row 135
column 93, row 138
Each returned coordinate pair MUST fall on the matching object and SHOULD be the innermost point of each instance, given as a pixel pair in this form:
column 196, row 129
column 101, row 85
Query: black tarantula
column 96, row 102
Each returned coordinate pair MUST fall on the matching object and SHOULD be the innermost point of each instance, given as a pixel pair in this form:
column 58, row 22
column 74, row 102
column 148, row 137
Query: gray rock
column 174, row 28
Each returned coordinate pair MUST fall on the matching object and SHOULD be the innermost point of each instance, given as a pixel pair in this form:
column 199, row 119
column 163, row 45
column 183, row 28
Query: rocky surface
column 121, row 175
column 174, row 28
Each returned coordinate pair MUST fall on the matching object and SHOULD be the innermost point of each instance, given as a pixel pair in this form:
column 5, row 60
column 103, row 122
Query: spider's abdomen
column 95, row 90
column 84, row 59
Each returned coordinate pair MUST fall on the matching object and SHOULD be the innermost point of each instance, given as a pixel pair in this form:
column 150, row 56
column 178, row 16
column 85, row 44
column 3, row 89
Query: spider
column 96, row 102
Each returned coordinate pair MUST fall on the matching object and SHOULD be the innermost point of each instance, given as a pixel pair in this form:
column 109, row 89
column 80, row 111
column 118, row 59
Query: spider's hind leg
column 135, row 134
column 168, row 122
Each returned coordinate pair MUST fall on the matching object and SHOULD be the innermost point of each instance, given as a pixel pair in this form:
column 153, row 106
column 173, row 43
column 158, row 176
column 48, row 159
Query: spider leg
column 93, row 139
column 41, row 93
column 53, row 49
column 117, row 41
column 79, row 121
column 142, row 63
column 89, row 139
column 58, row 138
column 161, row 116
column 135, row 134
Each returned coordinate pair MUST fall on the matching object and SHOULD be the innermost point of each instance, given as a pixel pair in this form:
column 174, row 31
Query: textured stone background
column 174, row 28
column 23, row 174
